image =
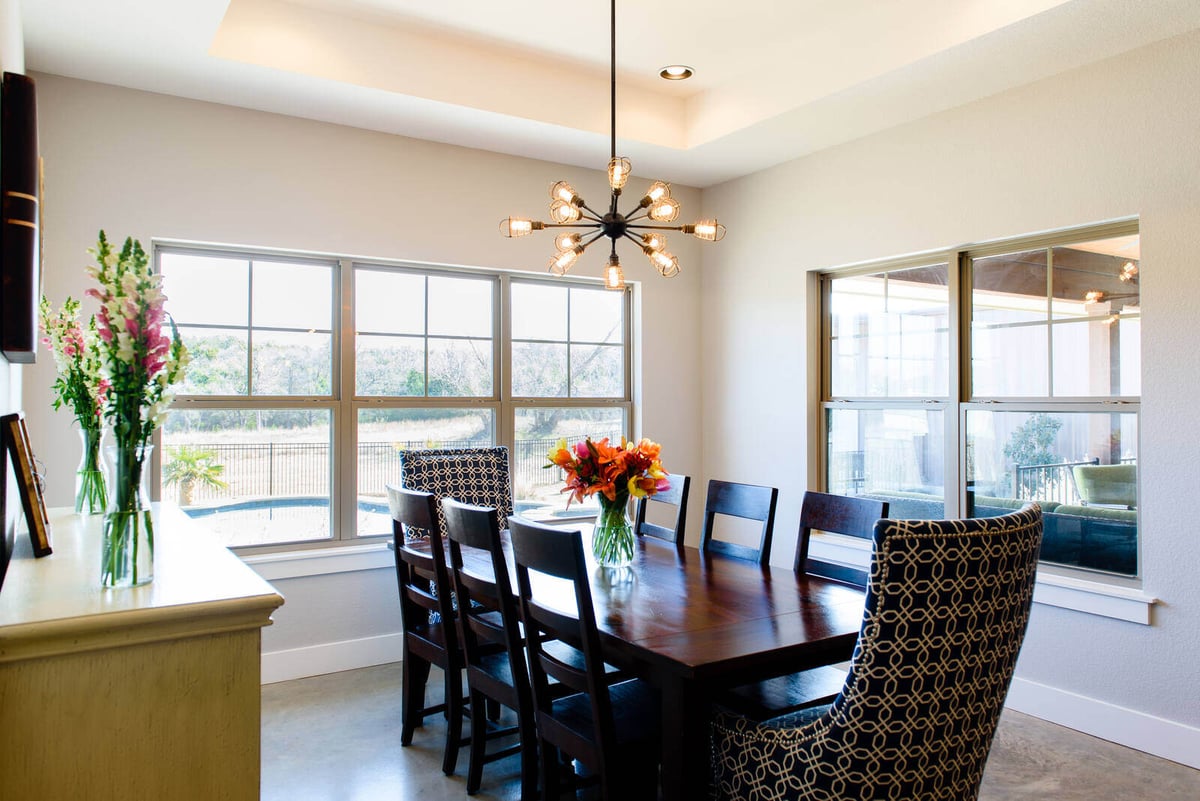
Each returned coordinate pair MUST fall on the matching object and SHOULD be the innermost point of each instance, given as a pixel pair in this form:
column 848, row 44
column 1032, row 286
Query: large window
column 970, row 383
column 309, row 376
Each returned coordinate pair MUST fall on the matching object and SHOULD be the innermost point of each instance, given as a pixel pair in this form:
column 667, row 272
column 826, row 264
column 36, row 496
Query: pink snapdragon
column 141, row 359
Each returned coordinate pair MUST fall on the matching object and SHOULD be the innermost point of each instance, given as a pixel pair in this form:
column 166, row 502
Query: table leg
column 686, row 714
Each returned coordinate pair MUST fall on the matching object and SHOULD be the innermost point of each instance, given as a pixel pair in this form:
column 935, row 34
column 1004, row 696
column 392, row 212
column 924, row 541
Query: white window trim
column 344, row 403
column 1053, row 588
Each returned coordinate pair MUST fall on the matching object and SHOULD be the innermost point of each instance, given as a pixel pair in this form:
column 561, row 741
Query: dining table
column 693, row 623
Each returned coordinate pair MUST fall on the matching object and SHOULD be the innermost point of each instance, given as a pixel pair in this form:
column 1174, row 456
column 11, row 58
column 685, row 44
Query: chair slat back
column 676, row 496
column 482, row 595
column 422, row 579
column 559, row 554
column 838, row 514
column 749, row 501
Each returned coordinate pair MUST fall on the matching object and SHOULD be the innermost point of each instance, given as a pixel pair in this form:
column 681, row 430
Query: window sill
column 1087, row 595
column 321, row 561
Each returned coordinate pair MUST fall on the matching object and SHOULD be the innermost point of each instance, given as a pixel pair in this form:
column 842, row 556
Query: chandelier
column 569, row 211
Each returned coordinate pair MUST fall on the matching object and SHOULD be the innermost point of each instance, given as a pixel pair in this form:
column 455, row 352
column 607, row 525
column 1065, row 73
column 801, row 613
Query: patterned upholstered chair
column 946, row 610
column 478, row 476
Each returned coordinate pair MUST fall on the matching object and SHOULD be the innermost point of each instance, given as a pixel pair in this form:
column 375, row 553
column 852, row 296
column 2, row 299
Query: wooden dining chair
column 819, row 511
column 489, row 628
column 611, row 729
column 427, row 617
column 946, row 611
column 847, row 515
column 676, row 496
column 748, row 501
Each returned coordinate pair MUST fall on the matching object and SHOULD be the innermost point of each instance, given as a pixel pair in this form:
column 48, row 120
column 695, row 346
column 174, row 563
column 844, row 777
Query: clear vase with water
column 127, row 553
column 91, row 492
column 612, row 539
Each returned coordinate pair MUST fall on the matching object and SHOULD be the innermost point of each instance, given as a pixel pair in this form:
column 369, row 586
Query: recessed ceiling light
column 676, row 72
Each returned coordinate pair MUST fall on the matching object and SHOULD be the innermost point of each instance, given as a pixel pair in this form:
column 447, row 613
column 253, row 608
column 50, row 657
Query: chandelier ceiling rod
column 613, row 79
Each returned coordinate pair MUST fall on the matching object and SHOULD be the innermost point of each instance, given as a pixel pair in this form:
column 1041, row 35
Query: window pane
column 389, row 366
column 1082, row 469
column 387, row 302
column 539, row 311
column 460, row 307
column 1129, row 333
column 292, row 363
column 597, row 371
column 206, row 289
column 895, row 455
column 597, row 315
column 538, row 370
column 252, row 476
column 1095, row 295
column 536, row 491
column 890, row 334
column 293, row 296
column 460, row 368
column 383, row 433
column 1009, row 361
column 1009, row 325
column 218, row 361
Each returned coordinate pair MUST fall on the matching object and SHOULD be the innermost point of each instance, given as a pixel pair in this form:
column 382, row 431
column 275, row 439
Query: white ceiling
column 775, row 79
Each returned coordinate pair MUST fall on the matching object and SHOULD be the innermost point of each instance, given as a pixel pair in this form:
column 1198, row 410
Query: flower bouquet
column 141, row 363
column 80, row 387
column 612, row 474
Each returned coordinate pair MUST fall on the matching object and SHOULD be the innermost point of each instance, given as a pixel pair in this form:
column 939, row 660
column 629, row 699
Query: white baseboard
column 331, row 657
column 1168, row 739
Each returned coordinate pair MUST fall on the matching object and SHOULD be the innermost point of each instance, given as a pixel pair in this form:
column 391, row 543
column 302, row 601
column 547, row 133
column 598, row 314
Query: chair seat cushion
column 778, row 696
column 635, row 708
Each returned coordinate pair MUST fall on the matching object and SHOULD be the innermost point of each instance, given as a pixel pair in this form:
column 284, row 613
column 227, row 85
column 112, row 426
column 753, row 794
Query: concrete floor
column 337, row 738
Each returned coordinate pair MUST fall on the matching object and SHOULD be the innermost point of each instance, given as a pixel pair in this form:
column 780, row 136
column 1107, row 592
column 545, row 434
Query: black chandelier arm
column 595, row 224
column 599, row 234
column 655, row 227
column 592, row 213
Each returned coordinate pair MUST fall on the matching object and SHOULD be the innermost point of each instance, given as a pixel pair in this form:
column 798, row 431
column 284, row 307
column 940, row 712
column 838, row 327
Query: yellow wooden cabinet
column 144, row 693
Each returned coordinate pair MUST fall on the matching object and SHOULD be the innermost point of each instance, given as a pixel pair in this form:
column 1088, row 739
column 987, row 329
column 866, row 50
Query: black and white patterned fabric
column 946, row 611
column 477, row 476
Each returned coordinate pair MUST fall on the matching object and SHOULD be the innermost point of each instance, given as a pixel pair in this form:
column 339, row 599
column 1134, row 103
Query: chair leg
column 454, row 719
column 551, row 789
column 415, row 673
column 493, row 709
column 478, row 742
column 529, row 757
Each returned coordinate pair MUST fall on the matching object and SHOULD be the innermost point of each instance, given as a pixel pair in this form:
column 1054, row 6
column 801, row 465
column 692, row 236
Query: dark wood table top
column 707, row 617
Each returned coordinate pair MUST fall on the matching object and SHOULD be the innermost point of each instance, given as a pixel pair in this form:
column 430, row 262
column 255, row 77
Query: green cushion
column 1107, row 483
column 1099, row 513
column 1009, row 504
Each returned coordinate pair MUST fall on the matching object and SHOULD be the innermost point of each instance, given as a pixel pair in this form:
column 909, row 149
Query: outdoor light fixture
column 568, row 210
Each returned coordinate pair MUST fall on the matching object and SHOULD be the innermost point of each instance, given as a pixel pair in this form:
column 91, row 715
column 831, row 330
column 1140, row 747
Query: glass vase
column 91, row 494
column 612, row 540
column 127, row 553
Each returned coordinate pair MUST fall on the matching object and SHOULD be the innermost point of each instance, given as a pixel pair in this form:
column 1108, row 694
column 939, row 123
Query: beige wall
column 149, row 165
column 1115, row 139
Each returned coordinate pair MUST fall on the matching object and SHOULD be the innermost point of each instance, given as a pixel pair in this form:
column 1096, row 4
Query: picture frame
column 16, row 443
column 20, row 219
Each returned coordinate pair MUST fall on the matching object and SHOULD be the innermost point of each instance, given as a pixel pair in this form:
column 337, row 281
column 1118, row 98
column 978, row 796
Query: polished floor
column 337, row 737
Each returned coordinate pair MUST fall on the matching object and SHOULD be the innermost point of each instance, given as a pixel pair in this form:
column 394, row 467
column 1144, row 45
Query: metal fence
column 303, row 469
column 1052, row 482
